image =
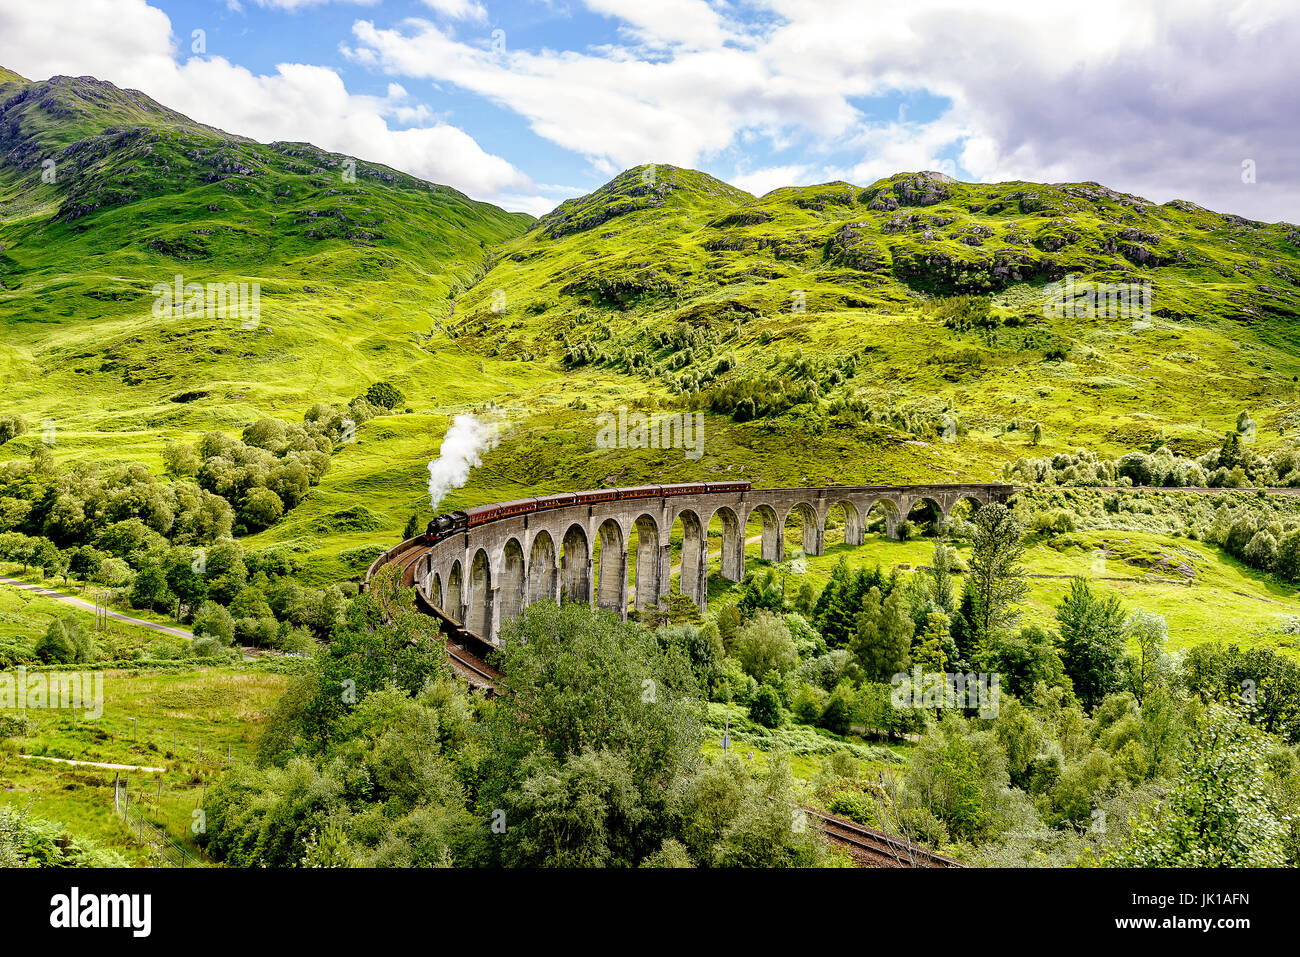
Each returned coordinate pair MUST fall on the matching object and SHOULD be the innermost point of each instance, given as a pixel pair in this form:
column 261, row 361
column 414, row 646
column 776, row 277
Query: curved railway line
column 866, row 846
column 871, row 848
column 467, row 651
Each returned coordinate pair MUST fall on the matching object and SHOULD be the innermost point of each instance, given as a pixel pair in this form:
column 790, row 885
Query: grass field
column 190, row 724
column 1204, row 594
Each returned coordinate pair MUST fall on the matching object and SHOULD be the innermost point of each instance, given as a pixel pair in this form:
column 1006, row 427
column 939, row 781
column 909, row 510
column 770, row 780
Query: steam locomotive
column 446, row 525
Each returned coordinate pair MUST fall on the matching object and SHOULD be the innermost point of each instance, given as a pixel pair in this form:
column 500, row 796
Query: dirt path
column 91, row 764
column 88, row 606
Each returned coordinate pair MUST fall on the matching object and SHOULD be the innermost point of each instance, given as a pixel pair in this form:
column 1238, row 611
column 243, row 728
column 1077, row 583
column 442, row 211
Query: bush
column 384, row 394
column 64, row 643
column 11, row 426
column 808, row 704
column 765, row 707
column 837, row 715
column 764, row 644
column 214, row 622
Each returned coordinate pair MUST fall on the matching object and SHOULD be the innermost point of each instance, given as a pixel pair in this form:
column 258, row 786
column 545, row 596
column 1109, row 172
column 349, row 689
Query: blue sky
column 525, row 103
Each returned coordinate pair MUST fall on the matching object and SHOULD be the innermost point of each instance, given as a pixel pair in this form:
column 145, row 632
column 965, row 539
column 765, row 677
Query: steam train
column 445, row 525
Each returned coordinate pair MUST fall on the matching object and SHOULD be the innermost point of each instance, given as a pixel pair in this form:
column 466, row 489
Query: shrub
column 765, row 706
column 839, row 709
column 384, row 394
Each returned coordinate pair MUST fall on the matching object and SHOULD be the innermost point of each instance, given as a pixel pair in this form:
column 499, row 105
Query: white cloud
column 458, row 9
column 131, row 44
column 293, row 6
column 768, row 178
column 1164, row 98
column 683, row 24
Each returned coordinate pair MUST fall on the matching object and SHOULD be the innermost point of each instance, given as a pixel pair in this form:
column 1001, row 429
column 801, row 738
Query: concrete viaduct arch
column 482, row 577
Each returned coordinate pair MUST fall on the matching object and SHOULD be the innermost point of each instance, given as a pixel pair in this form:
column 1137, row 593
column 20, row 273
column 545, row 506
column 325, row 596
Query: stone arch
column 611, row 568
column 810, row 526
column 925, row 510
column 478, row 617
column 692, row 561
column 848, row 520
column 648, row 557
column 963, row 507
column 435, row 591
column 543, row 576
column 513, row 580
column 455, row 608
column 886, row 511
column 575, row 566
column 732, row 566
column 772, row 548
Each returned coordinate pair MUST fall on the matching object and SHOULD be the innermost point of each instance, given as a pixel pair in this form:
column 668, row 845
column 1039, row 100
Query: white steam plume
column 465, row 441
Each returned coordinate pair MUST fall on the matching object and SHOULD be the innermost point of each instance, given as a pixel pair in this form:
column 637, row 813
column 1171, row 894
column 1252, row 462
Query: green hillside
column 672, row 275
column 921, row 351
column 355, row 263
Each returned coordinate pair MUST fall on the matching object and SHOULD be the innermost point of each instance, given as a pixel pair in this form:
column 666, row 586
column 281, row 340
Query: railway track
column 872, row 848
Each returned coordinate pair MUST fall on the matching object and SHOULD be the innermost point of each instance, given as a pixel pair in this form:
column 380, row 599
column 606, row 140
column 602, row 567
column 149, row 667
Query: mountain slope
column 852, row 294
column 355, row 262
column 836, row 333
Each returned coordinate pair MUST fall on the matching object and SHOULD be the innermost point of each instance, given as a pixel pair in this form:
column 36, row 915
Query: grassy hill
column 849, row 287
column 356, row 265
column 814, row 324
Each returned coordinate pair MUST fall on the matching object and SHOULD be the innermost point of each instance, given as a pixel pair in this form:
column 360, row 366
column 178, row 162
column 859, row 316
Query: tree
column 576, row 680
column 765, row 706
column 384, row 394
column 572, row 813
column 883, row 640
column 960, row 777
column 214, row 621
column 187, row 579
column 764, row 644
column 260, row 508
column 181, row 460
column 996, row 576
column 381, row 643
column 1220, row 812
column 761, row 590
column 11, row 426
column 226, row 570
column 47, row 557
column 1092, row 641
column 1264, row 680
column 149, row 590
column 1146, row 669
column 1024, row 659
column 941, row 590
column 86, row 562
column 837, row 716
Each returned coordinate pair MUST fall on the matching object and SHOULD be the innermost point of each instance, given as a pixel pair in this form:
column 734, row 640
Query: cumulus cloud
column 132, row 44
column 1165, row 99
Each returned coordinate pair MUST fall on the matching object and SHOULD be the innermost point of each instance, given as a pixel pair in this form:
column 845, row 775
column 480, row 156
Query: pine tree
column 883, row 637
column 996, row 575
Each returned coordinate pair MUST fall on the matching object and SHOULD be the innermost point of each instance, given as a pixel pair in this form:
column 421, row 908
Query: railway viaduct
column 484, row 576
